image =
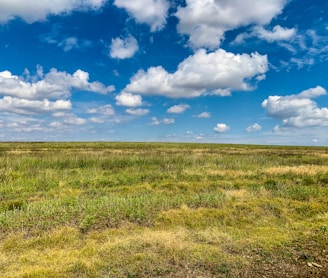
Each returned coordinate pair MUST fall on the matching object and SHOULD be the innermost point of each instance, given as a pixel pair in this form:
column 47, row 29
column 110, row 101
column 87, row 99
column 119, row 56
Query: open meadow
column 163, row 210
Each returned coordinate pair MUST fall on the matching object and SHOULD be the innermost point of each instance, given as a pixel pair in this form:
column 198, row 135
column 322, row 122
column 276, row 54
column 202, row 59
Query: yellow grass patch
column 65, row 253
column 228, row 173
column 66, row 191
column 239, row 193
column 301, row 169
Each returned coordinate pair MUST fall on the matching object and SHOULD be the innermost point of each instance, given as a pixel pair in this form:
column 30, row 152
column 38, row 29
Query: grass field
column 162, row 210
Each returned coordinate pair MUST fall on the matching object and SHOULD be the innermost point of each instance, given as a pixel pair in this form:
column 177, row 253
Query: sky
column 207, row 71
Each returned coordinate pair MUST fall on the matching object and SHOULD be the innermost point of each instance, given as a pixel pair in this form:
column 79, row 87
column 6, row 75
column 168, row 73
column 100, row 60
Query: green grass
column 162, row 210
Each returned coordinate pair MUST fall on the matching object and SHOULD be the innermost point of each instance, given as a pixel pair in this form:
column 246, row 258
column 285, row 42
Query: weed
column 12, row 205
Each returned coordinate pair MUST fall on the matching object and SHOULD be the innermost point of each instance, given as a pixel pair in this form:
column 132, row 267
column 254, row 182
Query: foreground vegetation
column 162, row 210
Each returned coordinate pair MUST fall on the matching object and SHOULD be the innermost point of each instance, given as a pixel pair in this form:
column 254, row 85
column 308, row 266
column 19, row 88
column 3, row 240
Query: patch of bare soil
column 302, row 260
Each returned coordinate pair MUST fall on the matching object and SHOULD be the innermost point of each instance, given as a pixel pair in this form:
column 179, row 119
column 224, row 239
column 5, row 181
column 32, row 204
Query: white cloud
column 123, row 48
column 277, row 34
column 39, row 10
column 204, row 115
column 254, row 128
column 102, row 110
column 74, row 120
column 151, row 12
column 206, row 21
column 32, row 107
column 300, row 62
column 70, row 119
column 298, row 110
column 70, row 43
column 59, row 114
column 137, row 112
column 55, row 84
column 313, row 92
column 215, row 73
column 155, row 121
column 78, row 80
column 221, row 128
column 55, row 37
column 56, row 124
column 168, row 121
column 127, row 99
column 96, row 120
column 178, row 109
column 32, row 128
column 165, row 121
column 307, row 47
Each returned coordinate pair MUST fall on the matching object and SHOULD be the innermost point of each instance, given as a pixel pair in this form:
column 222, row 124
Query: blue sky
column 238, row 71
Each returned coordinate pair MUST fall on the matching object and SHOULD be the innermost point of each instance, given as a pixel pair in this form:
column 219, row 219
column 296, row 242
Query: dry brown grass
column 299, row 170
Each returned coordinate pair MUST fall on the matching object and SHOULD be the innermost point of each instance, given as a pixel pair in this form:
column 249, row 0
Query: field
column 163, row 210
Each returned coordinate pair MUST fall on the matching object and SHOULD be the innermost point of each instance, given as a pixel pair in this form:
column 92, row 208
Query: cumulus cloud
column 96, row 120
column 221, row 128
column 69, row 119
column 102, row 110
column 204, row 115
column 206, row 21
column 32, row 107
column 151, row 12
column 155, row 121
column 165, row 121
column 39, row 10
column 56, row 124
column 298, row 110
column 168, row 121
column 178, row 109
column 123, row 48
column 137, row 112
column 254, row 128
column 74, row 120
column 53, row 85
column 215, row 73
column 313, row 92
column 127, row 99
column 278, row 33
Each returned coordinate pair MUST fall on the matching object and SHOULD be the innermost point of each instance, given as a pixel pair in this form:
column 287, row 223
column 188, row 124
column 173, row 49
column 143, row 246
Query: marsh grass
column 162, row 210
